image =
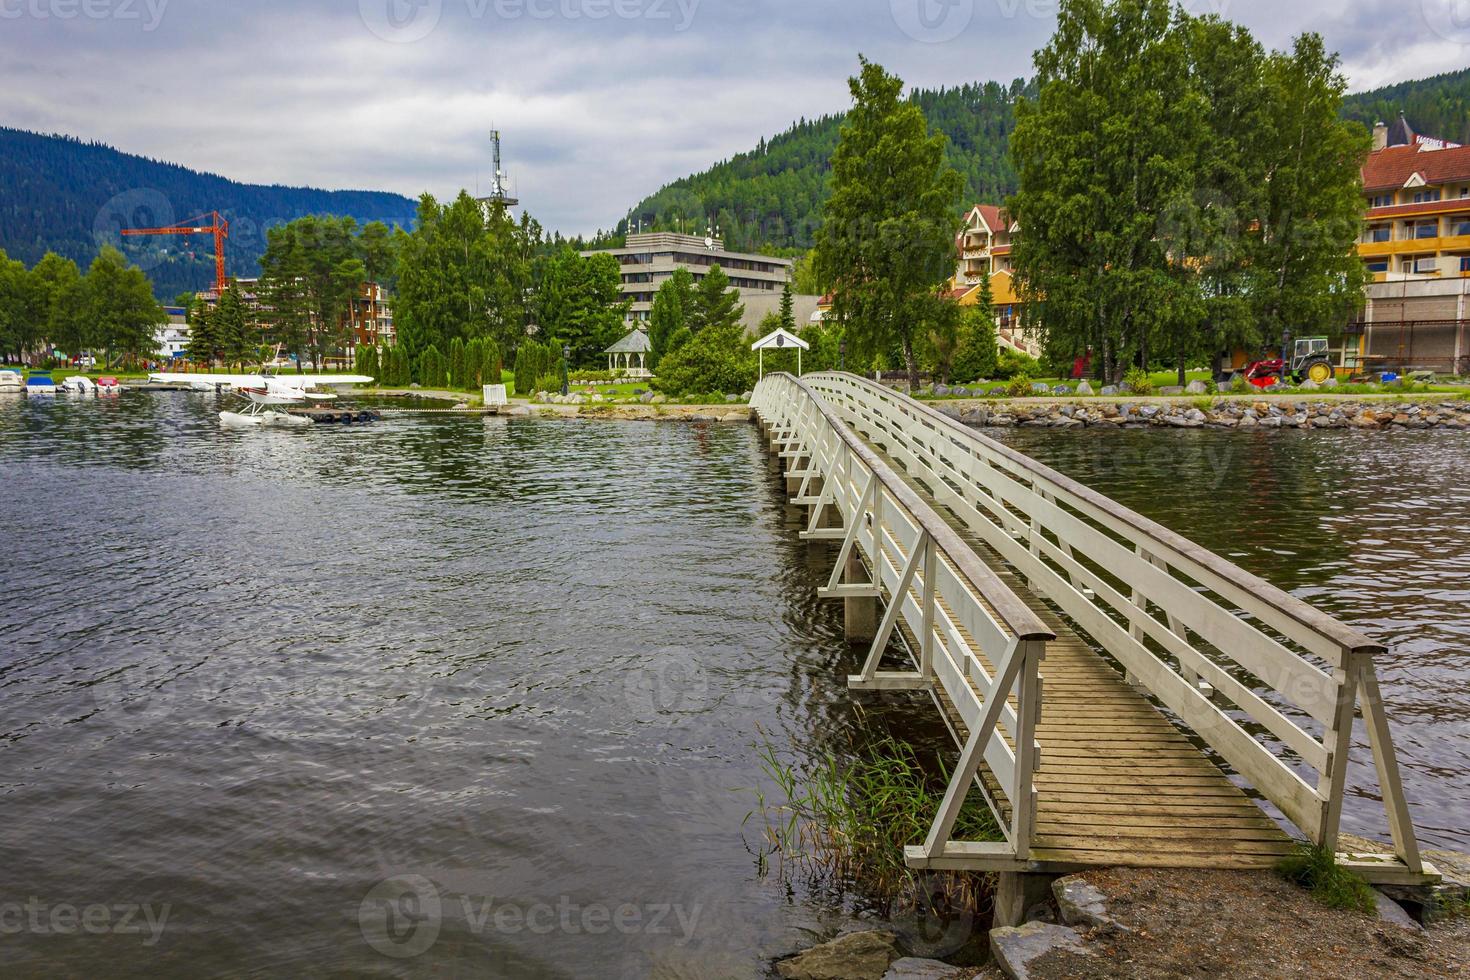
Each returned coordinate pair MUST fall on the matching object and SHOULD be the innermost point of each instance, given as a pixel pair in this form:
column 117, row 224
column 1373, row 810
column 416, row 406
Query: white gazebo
column 620, row 355
column 782, row 339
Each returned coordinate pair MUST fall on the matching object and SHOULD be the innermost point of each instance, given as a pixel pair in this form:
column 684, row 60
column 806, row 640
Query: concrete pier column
column 859, row 616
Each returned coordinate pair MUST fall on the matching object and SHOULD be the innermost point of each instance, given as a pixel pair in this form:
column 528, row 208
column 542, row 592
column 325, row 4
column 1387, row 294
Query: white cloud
column 596, row 112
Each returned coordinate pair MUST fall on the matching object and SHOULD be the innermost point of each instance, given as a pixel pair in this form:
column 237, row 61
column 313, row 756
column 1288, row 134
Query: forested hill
column 1438, row 106
column 772, row 197
column 58, row 194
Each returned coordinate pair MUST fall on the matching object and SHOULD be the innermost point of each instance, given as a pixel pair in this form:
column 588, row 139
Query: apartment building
column 1416, row 247
column 648, row 260
column 369, row 320
column 984, row 247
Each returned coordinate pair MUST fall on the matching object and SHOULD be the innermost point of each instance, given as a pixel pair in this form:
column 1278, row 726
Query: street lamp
column 566, row 356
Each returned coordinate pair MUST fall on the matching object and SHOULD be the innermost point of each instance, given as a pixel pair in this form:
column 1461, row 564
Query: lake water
column 464, row 697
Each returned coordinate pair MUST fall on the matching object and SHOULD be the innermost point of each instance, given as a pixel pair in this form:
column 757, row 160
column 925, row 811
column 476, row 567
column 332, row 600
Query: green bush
column 1138, row 382
column 535, row 362
column 1018, row 388
column 1014, row 364
column 718, row 360
column 457, row 372
column 433, row 368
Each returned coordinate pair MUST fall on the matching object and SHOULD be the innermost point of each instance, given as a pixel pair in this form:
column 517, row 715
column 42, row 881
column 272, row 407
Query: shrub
column 1013, row 364
column 533, row 362
column 457, row 370
column 717, row 360
column 433, row 368
column 1138, row 382
column 1018, row 388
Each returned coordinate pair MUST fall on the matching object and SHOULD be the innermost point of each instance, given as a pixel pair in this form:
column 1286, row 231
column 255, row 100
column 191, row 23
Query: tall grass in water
column 842, row 827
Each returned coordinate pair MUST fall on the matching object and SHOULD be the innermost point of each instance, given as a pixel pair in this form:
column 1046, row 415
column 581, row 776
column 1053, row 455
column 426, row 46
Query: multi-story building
column 984, row 247
column 1416, row 246
column 171, row 337
column 368, row 322
column 649, row 260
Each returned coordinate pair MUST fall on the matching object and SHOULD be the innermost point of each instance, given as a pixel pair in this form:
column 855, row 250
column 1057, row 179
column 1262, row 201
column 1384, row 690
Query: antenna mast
column 499, row 189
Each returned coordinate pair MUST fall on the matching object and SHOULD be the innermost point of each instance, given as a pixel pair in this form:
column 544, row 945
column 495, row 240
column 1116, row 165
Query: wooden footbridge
column 1097, row 669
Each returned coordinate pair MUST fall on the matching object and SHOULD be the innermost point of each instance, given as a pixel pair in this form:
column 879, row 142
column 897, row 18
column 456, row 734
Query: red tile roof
column 1391, row 169
column 992, row 216
column 1410, row 210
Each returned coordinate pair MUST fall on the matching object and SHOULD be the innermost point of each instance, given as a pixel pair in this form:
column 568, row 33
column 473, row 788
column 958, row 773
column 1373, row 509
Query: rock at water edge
column 1014, row 950
column 856, row 956
column 911, row 968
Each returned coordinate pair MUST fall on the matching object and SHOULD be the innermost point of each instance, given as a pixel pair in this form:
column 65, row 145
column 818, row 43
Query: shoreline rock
column 1224, row 414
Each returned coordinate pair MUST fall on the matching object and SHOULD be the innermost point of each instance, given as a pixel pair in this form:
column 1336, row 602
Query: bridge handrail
column 974, row 638
column 1065, row 538
column 1248, row 583
column 1019, row 619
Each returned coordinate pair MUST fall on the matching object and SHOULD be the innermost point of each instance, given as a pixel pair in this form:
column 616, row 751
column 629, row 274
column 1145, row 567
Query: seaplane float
column 266, row 394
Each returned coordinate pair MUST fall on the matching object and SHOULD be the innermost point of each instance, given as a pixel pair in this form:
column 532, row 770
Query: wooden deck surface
column 1119, row 784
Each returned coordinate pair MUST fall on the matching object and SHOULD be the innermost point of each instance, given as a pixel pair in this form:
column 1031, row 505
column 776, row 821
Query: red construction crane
column 217, row 226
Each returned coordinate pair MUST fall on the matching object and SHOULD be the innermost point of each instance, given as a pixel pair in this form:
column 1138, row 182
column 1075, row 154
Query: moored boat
column 40, row 384
column 108, row 386
column 79, row 384
column 11, row 383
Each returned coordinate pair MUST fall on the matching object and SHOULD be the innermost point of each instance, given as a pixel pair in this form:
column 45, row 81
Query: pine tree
column 203, row 343
column 716, row 303
column 231, row 328
column 788, row 309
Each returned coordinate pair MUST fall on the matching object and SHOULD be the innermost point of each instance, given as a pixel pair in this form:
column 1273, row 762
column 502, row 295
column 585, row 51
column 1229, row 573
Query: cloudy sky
column 601, row 101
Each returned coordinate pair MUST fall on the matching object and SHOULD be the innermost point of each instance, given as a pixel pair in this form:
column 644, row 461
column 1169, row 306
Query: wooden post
column 859, row 616
column 1016, row 894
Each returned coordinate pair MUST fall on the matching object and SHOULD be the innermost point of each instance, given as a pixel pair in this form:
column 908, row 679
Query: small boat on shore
column 40, row 384
column 11, row 383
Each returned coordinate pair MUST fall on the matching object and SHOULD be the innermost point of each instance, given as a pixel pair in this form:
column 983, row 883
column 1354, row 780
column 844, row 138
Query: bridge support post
column 859, row 616
column 1016, row 894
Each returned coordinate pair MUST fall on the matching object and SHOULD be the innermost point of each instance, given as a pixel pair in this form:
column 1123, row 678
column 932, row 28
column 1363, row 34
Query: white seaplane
column 266, row 393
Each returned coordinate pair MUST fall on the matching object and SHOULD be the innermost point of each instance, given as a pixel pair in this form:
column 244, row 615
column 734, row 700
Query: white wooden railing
column 1237, row 660
column 974, row 637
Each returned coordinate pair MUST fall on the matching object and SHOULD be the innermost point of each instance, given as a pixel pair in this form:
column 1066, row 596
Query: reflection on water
column 280, row 680
column 1373, row 528
column 490, row 688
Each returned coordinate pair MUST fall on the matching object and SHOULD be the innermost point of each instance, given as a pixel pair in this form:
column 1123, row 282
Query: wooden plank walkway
column 1095, row 744
column 1119, row 784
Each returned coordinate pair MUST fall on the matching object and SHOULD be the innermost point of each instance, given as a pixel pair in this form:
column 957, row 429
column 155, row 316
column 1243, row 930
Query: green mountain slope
column 771, row 198
column 63, row 195
column 1438, row 106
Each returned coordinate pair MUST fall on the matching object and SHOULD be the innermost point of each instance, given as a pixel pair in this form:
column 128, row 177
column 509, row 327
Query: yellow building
column 984, row 248
column 1416, row 246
